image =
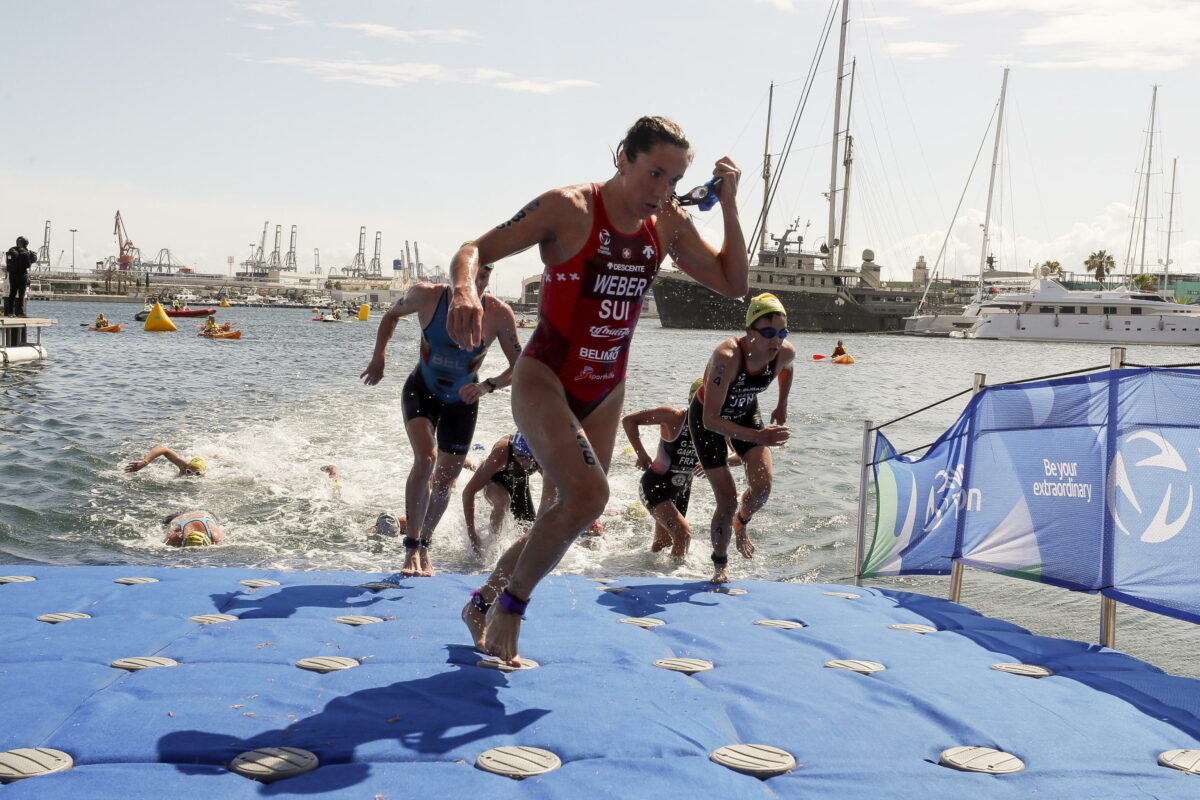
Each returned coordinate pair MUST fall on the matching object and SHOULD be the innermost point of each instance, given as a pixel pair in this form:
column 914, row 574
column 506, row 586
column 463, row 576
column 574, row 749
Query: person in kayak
column 440, row 402
column 727, row 406
column 503, row 477
column 194, row 467
column 601, row 244
column 102, row 321
column 840, row 350
column 194, row 528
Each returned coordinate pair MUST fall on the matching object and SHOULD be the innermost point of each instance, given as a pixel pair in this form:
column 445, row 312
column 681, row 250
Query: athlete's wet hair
column 649, row 131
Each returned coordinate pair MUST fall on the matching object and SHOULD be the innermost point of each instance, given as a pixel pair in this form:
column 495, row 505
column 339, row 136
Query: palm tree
column 1052, row 268
column 1101, row 263
column 1145, row 282
column 109, row 274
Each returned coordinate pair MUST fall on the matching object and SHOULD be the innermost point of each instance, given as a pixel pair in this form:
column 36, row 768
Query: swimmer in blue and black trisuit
column 195, row 528
column 440, row 402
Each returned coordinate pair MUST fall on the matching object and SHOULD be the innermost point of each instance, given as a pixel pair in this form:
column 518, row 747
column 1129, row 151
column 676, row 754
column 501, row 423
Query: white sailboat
column 963, row 323
column 1043, row 310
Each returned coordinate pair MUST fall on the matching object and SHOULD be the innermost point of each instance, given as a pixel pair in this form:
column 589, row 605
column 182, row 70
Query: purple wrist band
column 512, row 604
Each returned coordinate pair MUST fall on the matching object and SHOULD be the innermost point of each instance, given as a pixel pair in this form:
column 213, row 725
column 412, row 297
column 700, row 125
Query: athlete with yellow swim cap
column 194, row 528
column 194, row 467
column 727, row 407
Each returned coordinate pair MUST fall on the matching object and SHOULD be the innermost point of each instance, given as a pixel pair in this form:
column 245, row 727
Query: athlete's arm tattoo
column 520, row 215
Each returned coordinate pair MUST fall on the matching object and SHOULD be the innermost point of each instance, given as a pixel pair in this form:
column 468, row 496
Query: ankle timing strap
column 720, row 561
column 512, row 604
column 411, row 543
column 480, row 604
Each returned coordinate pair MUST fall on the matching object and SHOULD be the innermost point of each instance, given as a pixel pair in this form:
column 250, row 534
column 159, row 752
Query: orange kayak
column 221, row 335
column 844, row 360
column 107, row 329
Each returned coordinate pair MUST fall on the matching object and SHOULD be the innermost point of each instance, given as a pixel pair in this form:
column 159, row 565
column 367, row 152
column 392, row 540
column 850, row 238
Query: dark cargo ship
column 816, row 298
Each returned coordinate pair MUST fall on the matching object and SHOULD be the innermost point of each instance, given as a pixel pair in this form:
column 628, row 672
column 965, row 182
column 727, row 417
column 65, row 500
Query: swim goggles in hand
column 702, row 197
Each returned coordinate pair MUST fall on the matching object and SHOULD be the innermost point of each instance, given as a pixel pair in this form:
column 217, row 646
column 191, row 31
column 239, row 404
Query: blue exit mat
column 411, row 713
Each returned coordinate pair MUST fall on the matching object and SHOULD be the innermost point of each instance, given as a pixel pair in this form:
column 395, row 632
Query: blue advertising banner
column 1091, row 483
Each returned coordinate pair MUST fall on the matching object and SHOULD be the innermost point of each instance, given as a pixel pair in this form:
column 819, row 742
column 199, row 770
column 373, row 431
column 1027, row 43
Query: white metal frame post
column 864, row 466
column 1108, row 606
column 956, row 569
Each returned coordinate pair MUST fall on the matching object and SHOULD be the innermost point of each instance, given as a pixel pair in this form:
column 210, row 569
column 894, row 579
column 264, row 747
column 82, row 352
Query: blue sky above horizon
column 434, row 122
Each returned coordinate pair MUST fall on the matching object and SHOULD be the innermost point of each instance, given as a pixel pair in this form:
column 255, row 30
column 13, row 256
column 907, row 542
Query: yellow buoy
column 364, row 312
column 636, row 510
column 628, row 451
column 224, row 302
column 158, row 320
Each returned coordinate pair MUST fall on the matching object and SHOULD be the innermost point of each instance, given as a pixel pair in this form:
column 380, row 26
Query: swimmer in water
column 666, row 484
column 195, row 528
column 503, row 477
column 194, row 467
column 601, row 244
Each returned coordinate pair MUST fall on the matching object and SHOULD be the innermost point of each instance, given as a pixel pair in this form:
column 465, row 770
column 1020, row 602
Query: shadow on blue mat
column 283, row 602
column 654, row 598
column 1164, row 697
column 432, row 715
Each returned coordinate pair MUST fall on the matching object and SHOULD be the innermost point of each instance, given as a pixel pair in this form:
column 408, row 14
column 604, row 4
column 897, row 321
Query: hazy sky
column 433, row 122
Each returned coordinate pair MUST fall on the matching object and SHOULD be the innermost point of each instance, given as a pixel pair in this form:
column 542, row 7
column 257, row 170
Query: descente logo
column 603, row 331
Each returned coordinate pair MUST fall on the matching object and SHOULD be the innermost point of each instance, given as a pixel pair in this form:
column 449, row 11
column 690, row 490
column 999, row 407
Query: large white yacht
column 1050, row 312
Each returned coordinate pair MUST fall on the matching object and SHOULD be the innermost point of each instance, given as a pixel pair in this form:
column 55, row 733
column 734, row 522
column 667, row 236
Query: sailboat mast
column 837, row 121
column 762, row 234
column 849, row 159
column 987, row 215
column 1170, row 223
column 1146, row 193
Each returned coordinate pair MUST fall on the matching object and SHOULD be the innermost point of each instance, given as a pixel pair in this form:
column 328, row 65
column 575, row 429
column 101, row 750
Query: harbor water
column 270, row 410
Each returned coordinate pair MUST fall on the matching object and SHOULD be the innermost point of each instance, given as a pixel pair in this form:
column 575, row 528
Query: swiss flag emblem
column 626, row 253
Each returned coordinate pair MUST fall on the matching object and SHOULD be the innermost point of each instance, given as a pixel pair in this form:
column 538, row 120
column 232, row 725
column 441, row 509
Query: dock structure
column 121, row 682
column 15, row 344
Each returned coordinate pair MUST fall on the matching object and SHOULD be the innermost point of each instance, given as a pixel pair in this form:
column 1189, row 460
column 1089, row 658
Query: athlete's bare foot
column 721, row 575
column 427, row 570
column 744, row 545
column 679, row 546
column 412, row 563
column 476, row 623
column 500, row 638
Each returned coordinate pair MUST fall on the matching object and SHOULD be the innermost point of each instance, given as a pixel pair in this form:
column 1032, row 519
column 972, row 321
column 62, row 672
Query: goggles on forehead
column 702, row 197
column 771, row 333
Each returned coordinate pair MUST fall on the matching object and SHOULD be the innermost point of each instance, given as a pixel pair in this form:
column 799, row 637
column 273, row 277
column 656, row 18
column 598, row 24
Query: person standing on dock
column 17, row 261
column 601, row 244
column 440, row 402
column 666, row 484
column 727, row 406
